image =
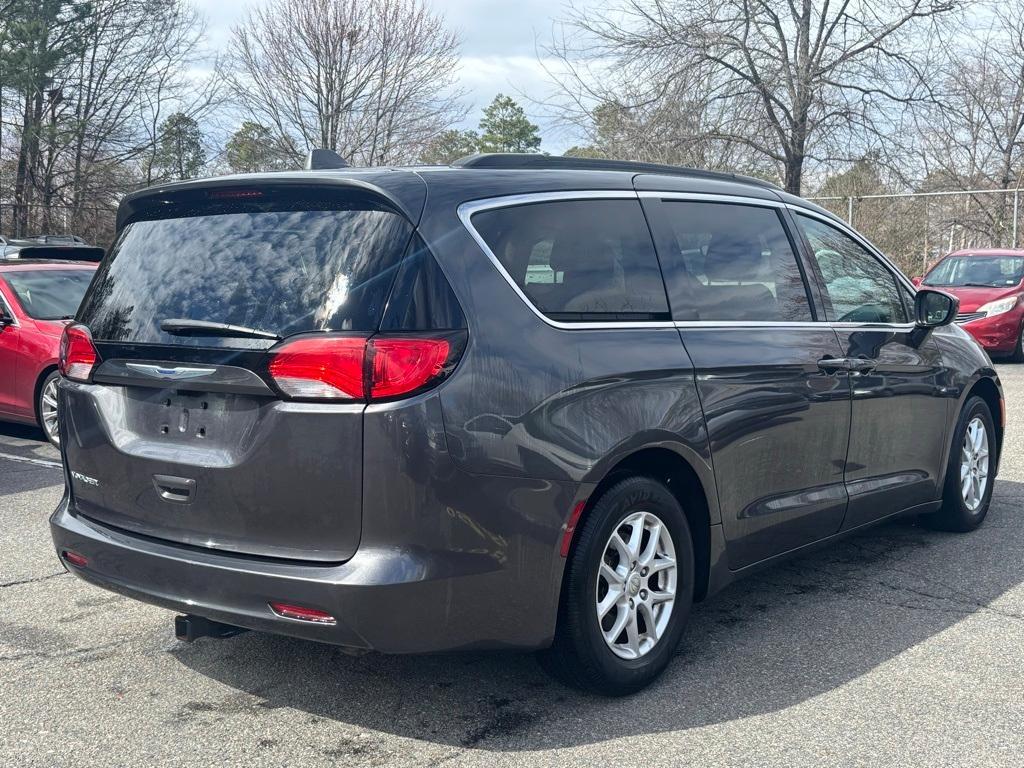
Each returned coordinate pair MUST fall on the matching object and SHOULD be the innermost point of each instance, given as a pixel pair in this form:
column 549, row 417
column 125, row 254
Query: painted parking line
column 29, row 460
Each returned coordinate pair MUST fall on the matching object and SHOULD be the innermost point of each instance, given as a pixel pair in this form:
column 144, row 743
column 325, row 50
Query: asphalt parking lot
column 898, row 647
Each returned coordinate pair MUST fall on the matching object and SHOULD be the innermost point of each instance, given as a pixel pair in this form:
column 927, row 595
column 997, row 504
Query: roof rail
column 523, row 161
column 324, row 160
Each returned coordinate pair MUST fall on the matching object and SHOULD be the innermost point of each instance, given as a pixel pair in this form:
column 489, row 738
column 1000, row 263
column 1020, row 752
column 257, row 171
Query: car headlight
column 999, row 306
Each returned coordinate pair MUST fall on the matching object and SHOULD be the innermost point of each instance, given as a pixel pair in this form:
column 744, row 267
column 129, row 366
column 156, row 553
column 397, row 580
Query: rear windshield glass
column 985, row 271
column 51, row 294
column 582, row 260
column 278, row 271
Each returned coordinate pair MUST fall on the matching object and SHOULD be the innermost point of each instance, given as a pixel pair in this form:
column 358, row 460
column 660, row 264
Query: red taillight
column 355, row 368
column 77, row 353
column 404, row 365
column 301, row 613
column 321, row 367
column 75, row 559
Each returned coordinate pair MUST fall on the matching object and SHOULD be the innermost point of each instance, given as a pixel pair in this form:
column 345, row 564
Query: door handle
column 852, row 365
column 834, row 364
column 176, row 489
column 861, row 365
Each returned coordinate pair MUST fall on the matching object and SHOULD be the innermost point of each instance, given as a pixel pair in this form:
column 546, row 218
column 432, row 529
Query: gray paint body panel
column 434, row 523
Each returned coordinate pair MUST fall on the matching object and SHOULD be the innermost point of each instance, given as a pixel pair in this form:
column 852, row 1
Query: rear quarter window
column 579, row 260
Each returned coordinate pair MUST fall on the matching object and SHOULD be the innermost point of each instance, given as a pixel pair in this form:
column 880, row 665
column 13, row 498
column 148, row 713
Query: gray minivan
column 521, row 402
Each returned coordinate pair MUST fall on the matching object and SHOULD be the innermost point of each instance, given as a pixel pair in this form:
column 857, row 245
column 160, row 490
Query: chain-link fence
column 916, row 229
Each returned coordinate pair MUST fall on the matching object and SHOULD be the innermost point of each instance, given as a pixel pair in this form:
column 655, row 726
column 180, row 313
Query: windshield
column 50, row 294
column 992, row 271
column 281, row 272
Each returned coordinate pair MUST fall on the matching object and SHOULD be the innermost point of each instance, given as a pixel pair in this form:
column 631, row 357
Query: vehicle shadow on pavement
column 774, row 640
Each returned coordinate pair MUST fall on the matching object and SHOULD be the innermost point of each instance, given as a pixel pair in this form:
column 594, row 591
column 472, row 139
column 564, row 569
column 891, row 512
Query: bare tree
column 370, row 79
column 792, row 80
column 133, row 62
column 132, row 70
column 974, row 138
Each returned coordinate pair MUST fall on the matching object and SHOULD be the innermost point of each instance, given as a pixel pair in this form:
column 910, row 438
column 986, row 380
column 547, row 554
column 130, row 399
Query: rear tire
column 46, row 408
column 628, row 576
column 969, row 474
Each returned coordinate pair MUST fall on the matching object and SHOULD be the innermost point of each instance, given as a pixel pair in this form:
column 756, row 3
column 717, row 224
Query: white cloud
column 499, row 50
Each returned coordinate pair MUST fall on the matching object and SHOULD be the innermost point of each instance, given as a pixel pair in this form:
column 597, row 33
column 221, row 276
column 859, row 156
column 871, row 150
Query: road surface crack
column 19, row 582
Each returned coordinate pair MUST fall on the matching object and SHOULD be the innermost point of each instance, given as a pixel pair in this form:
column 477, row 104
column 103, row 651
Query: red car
column 37, row 298
column 988, row 284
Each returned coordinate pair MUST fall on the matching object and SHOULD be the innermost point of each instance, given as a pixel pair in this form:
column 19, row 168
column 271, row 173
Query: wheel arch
column 987, row 390
column 682, row 479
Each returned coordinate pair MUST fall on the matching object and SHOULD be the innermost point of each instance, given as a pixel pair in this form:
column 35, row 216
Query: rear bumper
column 997, row 334
column 391, row 601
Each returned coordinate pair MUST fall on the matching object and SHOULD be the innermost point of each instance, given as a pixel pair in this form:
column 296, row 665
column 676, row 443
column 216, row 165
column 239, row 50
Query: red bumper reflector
column 570, row 528
column 77, row 560
column 301, row 613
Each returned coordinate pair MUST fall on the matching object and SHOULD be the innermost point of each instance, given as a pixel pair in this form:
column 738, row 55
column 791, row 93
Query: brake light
column 302, row 613
column 233, row 194
column 321, row 367
column 404, row 365
column 77, row 353
column 356, row 368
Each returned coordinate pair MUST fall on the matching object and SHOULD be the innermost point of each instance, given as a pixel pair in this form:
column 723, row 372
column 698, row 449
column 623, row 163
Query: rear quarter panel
column 533, row 401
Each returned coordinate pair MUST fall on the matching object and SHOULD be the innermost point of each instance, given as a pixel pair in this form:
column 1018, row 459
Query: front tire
column 627, row 592
column 1017, row 356
column 970, row 472
column 46, row 408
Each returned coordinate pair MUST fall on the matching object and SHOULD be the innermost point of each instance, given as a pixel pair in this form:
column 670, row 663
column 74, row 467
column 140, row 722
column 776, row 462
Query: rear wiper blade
column 181, row 327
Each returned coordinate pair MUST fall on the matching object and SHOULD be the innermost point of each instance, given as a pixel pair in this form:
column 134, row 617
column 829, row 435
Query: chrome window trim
column 731, row 324
column 467, row 210
column 859, row 238
column 707, row 197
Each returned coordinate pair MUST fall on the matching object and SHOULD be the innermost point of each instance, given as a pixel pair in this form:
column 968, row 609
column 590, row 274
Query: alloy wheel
column 636, row 585
column 974, row 464
column 48, row 410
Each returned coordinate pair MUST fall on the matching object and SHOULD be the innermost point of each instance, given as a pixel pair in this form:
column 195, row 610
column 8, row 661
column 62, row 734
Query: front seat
column 736, row 269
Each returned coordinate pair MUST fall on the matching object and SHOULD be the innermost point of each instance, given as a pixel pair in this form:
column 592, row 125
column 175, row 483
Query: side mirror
column 934, row 308
column 5, row 318
column 916, row 280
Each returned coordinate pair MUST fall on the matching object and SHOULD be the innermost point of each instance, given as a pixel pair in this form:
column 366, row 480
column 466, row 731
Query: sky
column 500, row 40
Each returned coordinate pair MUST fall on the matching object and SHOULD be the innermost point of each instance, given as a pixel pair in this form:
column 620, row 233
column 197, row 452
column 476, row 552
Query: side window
column 728, row 262
column 579, row 260
column 859, row 287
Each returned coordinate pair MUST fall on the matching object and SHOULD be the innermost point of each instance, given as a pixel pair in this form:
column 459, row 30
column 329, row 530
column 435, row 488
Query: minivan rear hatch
column 181, row 434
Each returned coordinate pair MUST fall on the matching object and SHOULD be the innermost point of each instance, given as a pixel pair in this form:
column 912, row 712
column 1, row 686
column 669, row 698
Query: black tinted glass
column 858, row 286
column 422, row 299
column 50, row 294
column 284, row 271
column 728, row 262
column 579, row 260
